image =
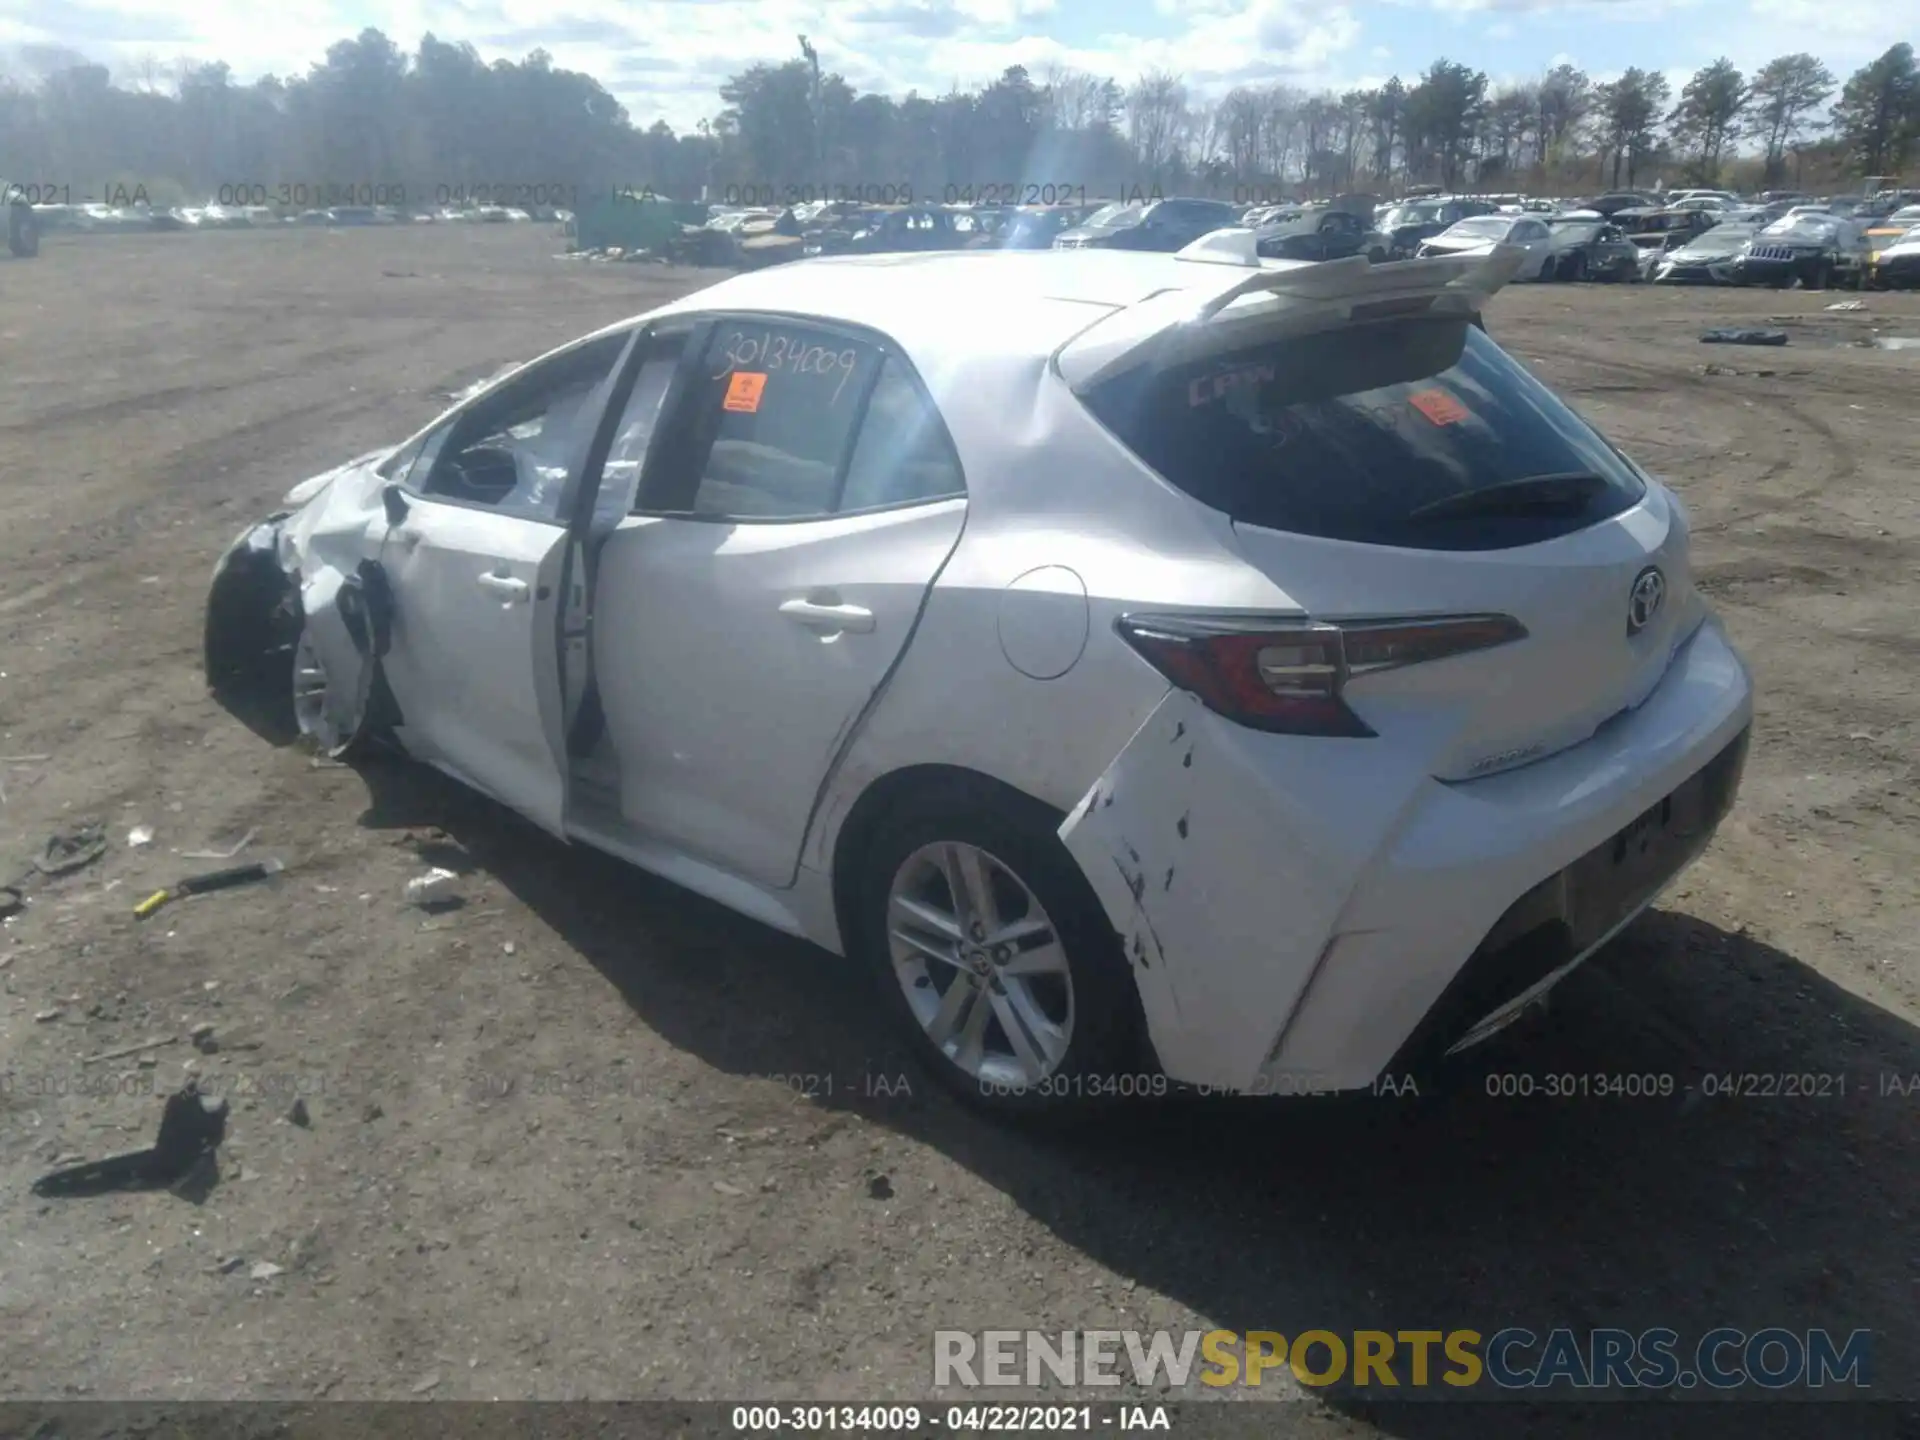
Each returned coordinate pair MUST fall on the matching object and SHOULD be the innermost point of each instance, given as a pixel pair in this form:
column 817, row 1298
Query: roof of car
column 1016, row 302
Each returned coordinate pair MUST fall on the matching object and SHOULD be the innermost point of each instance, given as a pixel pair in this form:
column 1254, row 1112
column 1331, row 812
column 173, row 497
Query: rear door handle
column 508, row 588
column 828, row 618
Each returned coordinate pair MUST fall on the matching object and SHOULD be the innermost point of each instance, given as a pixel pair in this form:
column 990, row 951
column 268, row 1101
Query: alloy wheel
column 981, row 964
column 330, row 718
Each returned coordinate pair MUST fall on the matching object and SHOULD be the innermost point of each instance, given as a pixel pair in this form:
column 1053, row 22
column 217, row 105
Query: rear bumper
column 1548, row 932
column 1300, row 915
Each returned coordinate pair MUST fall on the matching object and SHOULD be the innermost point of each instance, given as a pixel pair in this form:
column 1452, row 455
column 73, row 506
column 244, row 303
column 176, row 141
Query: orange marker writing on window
column 743, row 391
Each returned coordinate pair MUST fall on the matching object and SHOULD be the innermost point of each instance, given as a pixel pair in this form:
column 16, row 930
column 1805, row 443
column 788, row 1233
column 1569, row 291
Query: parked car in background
column 890, row 230
column 1413, row 222
column 1818, row 250
column 1164, row 225
column 1377, row 690
column 1478, row 234
column 1895, row 265
column 1319, row 232
column 1661, row 229
column 1036, row 227
column 1886, row 232
column 1709, row 259
column 1592, row 250
column 1612, row 204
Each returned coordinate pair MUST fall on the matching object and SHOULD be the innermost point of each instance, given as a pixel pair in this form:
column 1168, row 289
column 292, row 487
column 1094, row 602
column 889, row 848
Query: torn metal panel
column 1222, row 920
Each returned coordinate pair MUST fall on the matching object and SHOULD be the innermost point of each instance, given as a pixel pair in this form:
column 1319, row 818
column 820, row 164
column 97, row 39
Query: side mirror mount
column 394, row 501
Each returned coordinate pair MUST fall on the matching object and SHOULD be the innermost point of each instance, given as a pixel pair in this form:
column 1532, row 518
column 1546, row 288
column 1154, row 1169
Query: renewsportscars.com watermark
column 1772, row 1359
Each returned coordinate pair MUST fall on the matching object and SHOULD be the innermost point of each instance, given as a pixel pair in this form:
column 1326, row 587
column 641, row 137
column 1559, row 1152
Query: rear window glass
column 1350, row 435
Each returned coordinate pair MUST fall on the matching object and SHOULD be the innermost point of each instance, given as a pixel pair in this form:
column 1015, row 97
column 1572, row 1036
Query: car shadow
column 1769, row 1178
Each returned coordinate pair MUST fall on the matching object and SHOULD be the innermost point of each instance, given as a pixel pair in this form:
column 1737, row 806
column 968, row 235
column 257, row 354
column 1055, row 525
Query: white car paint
column 1479, row 234
column 1292, row 905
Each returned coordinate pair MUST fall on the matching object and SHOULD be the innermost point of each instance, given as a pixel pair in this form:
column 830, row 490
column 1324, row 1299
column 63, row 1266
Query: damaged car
column 1156, row 668
column 1816, row 249
column 1482, row 234
column 1896, row 264
column 1592, row 250
column 1710, row 259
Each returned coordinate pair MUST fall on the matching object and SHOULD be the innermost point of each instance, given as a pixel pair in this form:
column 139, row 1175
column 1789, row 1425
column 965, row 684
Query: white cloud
column 667, row 58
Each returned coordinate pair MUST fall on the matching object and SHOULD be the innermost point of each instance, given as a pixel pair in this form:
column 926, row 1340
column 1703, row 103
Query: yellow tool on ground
column 212, row 880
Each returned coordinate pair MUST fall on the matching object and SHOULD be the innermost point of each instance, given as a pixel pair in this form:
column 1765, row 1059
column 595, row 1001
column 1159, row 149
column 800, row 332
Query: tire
column 1086, row 1011
column 1377, row 256
column 23, row 232
column 1577, row 269
column 1546, row 270
column 1822, row 276
column 336, row 712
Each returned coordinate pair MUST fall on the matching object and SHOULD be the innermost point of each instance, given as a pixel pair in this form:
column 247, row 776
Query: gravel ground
column 591, row 1136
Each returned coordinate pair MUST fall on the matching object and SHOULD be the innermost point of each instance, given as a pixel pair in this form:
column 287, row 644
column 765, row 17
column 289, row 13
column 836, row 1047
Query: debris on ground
column 126, row 1050
column 880, row 1188
column 266, row 1270
column 434, row 889
column 203, row 1038
column 191, row 1128
column 299, row 1115
column 226, row 854
column 71, row 849
column 1848, row 305
column 212, row 880
column 139, row 835
column 1737, row 336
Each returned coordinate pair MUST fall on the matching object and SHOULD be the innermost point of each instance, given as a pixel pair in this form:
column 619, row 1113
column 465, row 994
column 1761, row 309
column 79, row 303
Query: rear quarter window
column 1350, row 434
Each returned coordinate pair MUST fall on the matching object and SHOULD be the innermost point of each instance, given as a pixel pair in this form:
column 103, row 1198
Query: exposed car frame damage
column 304, row 571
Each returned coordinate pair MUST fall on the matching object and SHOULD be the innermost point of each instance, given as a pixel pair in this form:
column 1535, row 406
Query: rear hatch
column 1408, row 468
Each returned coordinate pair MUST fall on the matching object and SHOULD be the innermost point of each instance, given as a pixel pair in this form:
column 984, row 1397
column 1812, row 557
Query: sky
column 665, row 59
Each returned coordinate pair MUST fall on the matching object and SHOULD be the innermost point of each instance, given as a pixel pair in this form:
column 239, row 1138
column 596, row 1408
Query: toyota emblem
column 1644, row 600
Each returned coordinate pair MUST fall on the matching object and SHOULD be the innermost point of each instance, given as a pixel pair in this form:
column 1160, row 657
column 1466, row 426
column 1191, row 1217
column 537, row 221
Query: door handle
column 828, row 618
column 506, row 586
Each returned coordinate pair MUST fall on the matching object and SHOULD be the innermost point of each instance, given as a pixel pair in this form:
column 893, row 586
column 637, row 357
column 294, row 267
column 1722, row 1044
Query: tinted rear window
column 1346, row 435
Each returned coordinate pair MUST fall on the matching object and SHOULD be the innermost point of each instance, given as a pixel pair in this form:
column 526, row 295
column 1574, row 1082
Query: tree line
column 432, row 123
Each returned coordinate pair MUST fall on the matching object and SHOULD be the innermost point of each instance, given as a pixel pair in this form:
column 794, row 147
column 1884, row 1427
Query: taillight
column 1289, row 675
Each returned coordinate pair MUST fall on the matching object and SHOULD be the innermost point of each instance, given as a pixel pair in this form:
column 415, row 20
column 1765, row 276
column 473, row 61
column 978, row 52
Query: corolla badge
column 1645, row 599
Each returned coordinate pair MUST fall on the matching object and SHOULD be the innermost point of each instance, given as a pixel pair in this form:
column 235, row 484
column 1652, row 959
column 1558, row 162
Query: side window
column 779, row 402
column 511, row 452
column 903, row 453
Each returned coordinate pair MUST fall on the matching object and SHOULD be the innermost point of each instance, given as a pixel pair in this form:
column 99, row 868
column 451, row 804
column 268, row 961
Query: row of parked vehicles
column 1704, row 237
column 109, row 219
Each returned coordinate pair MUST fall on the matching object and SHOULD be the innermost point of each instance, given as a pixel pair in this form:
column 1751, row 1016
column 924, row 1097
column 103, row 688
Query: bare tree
column 1156, row 119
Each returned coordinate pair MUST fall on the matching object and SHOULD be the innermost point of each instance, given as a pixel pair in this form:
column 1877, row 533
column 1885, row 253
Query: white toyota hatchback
column 1232, row 672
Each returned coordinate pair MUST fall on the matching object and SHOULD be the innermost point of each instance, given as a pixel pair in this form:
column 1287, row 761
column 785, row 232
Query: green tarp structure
column 632, row 222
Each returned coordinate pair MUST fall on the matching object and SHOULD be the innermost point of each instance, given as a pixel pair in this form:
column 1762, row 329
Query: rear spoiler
column 1176, row 327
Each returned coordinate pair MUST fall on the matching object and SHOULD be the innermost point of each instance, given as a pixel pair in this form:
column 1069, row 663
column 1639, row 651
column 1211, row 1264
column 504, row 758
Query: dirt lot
column 551, row 1152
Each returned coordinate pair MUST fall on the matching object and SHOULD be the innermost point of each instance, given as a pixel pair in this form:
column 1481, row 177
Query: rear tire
column 1577, row 269
column 1038, row 957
